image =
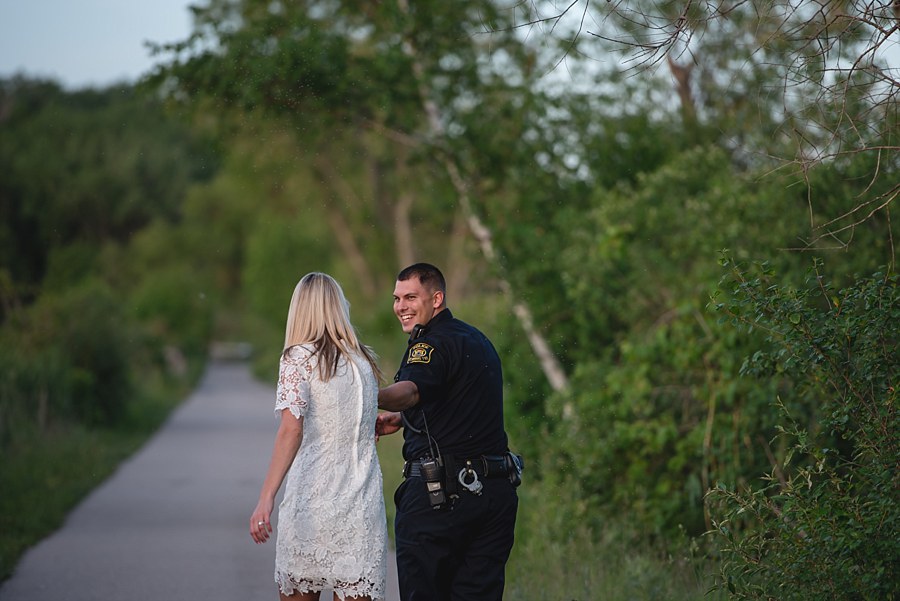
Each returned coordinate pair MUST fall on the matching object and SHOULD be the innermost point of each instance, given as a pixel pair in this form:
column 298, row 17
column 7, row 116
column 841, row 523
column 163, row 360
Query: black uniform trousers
column 457, row 552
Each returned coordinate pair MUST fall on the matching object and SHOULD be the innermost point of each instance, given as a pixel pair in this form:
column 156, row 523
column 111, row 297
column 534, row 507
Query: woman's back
column 332, row 524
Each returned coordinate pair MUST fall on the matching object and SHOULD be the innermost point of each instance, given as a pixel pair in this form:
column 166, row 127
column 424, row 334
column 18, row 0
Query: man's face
column 413, row 303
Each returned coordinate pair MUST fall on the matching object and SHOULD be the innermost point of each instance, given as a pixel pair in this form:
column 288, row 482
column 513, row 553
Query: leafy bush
column 825, row 523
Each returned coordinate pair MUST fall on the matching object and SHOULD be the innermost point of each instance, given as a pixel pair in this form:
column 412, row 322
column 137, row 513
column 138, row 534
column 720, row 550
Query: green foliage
column 103, row 323
column 172, row 306
column 85, row 342
column 656, row 410
column 847, row 195
column 83, row 168
column 278, row 59
column 525, row 387
column 654, row 429
column 35, row 389
column 824, row 524
column 605, row 211
column 279, row 253
column 644, row 248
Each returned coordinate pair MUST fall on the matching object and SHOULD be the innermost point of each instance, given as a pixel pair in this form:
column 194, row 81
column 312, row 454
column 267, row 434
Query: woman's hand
column 260, row 524
column 287, row 443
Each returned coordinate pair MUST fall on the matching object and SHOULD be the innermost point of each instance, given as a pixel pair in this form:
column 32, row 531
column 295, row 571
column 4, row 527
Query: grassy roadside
column 44, row 481
column 44, row 475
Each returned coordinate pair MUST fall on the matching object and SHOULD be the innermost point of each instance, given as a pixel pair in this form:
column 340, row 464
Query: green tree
column 807, row 84
column 81, row 169
column 446, row 94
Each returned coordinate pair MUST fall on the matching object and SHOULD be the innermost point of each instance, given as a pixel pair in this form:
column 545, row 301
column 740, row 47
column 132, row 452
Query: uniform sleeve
column 294, row 373
column 426, row 364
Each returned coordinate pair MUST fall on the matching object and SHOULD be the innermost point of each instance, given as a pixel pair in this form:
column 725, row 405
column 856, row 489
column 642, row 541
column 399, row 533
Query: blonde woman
column 332, row 531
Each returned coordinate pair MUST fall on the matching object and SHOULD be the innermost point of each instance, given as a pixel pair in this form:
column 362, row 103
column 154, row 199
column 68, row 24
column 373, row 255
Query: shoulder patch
column 420, row 352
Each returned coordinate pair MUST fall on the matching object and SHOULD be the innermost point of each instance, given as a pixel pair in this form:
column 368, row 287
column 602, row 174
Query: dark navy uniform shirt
column 460, row 382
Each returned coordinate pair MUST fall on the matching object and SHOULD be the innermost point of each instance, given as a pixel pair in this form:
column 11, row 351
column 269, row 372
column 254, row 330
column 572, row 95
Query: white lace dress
column 332, row 530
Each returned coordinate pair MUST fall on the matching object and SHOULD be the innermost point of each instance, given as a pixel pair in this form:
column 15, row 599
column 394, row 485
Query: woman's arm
column 287, row 443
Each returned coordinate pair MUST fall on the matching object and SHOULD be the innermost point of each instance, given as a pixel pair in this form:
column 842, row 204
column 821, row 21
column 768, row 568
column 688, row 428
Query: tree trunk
column 458, row 268
column 682, row 75
column 548, row 361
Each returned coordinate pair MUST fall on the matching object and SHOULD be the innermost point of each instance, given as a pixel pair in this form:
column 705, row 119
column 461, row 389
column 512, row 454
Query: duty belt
column 486, row 466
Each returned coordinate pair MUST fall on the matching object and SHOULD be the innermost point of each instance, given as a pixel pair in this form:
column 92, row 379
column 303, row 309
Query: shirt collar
column 441, row 317
column 437, row 319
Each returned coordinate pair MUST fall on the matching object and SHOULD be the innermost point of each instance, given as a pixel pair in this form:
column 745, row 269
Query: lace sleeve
column 294, row 372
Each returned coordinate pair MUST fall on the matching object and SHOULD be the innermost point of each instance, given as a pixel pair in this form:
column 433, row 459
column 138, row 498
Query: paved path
column 171, row 522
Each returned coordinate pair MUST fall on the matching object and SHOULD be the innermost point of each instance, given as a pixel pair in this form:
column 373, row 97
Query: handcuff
column 473, row 485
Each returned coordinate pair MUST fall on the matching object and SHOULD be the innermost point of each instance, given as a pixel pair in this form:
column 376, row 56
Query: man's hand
column 387, row 423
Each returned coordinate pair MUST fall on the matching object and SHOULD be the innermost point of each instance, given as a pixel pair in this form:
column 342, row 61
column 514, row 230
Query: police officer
column 456, row 508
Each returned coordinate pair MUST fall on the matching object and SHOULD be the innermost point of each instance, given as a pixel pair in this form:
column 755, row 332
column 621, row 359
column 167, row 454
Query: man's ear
column 438, row 299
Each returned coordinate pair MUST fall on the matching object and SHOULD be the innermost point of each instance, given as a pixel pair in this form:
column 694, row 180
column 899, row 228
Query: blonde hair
column 319, row 315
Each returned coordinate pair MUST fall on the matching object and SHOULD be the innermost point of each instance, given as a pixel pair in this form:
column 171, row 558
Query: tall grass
column 558, row 558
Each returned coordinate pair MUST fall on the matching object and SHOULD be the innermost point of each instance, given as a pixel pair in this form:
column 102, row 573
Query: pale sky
column 82, row 43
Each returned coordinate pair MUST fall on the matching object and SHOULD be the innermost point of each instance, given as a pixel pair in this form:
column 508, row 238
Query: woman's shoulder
column 362, row 363
column 298, row 353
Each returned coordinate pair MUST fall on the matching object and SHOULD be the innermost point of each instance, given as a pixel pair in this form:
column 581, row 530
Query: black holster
column 515, row 465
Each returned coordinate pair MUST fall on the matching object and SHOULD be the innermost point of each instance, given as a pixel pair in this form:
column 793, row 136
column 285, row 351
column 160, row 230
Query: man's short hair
column 429, row 276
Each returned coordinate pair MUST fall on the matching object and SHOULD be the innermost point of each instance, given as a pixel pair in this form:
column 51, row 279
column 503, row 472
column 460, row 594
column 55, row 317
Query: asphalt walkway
column 171, row 522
